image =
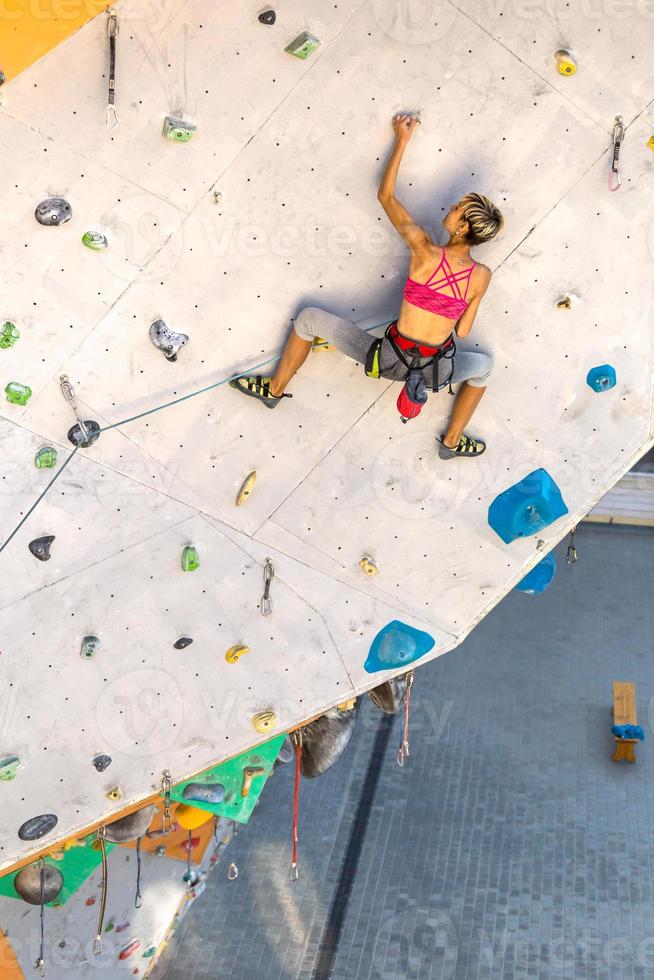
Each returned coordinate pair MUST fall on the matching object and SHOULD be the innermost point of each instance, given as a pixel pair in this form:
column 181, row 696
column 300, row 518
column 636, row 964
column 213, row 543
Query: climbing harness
column 112, row 32
column 296, row 738
column 413, row 395
column 618, row 136
column 40, row 963
column 571, row 554
column 403, row 751
column 166, row 787
column 97, row 942
column 268, row 574
column 138, row 901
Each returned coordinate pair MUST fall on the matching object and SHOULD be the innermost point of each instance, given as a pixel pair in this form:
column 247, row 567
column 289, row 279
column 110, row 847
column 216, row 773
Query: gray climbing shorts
column 471, row 366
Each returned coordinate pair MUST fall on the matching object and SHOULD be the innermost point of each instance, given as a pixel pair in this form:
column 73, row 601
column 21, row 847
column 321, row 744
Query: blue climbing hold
column 539, row 578
column 628, row 731
column 601, row 378
column 397, row 645
column 526, row 507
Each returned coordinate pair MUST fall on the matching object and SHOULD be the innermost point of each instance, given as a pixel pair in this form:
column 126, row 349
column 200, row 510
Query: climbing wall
column 271, row 205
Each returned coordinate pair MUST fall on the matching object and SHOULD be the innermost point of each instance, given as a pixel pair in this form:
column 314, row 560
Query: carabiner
column 618, row 136
column 112, row 22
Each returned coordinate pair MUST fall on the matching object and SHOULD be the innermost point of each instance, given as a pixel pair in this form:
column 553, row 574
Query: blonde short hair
column 484, row 218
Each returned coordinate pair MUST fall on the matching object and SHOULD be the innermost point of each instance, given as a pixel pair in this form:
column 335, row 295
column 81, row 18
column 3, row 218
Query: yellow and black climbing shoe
column 467, row 448
column 258, row 386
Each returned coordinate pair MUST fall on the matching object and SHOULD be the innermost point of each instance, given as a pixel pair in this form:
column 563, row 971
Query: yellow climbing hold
column 650, row 142
column 191, row 817
column 565, row 63
column 319, row 343
column 235, row 653
column 264, row 721
column 347, row 705
column 368, row 566
column 564, row 303
column 248, row 775
column 247, row 488
column 115, row 793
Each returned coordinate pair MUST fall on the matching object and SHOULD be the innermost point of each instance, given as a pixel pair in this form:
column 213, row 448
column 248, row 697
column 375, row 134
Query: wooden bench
column 624, row 713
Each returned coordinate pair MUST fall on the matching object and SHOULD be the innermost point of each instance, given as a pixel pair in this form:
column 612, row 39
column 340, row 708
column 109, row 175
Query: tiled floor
column 509, row 846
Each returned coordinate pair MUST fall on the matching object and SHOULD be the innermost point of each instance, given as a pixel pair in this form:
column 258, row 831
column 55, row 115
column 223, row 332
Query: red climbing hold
column 189, row 845
column 127, row 951
column 90, row 901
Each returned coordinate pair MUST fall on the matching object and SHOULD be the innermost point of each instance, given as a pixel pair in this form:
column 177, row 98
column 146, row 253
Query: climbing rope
column 403, row 751
column 151, row 411
column 138, row 901
column 189, row 876
column 40, row 963
column 97, row 942
column 296, row 738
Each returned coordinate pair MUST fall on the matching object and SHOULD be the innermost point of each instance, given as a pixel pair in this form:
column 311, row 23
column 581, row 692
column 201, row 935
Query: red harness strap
column 297, row 745
column 405, row 343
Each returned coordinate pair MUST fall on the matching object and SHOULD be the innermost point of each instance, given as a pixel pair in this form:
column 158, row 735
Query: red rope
column 297, row 745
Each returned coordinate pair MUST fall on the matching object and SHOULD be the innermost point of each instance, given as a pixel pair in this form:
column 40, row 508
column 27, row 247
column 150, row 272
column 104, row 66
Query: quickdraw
column 166, row 787
column 403, row 752
column 571, row 554
column 296, row 738
column 112, row 32
column 268, row 575
column 40, row 963
column 97, row 942
column 618, row 136
column 138, row 900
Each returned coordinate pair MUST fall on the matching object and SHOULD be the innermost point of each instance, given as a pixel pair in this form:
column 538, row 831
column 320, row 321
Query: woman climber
column 441, row 297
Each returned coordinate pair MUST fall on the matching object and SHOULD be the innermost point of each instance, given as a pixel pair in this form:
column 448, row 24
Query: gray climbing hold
column 325, row 739
column 28, row 883
column 37, row 827
column 182, row 643
column 268, row 17
column 166, row 340
column 130, row 827
column 82, row 439
column 390, row 695
column 40, row 547
column 204, row 792
column 53, row 211
column 101, row 762
column 3, row 78
column 90, row 646
column 286, row 752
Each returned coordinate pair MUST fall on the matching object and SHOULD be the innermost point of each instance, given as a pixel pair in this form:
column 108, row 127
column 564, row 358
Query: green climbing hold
column 190, row 558
column 46, row 458
column 303, row 45
column 9, row 767
column 17, row 393
column 177, row 130
column 95, row 240
column 150, row 951
column 90, row 646
column 9, row 335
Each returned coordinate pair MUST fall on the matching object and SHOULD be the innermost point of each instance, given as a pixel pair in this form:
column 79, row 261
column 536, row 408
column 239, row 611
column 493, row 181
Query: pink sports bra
column 428, row 295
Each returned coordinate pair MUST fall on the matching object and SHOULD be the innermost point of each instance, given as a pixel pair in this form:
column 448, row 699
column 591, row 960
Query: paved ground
column 509, row 846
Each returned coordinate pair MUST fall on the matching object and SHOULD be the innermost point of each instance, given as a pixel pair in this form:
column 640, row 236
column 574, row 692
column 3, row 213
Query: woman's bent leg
column 473, row 369
column 310, row 323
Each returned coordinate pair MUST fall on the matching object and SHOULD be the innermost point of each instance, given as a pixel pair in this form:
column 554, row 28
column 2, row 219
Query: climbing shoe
column 257, row 386
column 467, row 448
